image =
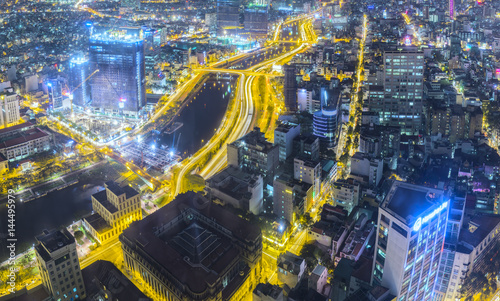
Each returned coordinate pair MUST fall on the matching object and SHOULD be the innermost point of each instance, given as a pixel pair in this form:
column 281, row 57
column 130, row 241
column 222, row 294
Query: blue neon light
column 420, row 221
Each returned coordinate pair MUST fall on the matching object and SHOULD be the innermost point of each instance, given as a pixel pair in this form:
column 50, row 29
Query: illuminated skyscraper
column 79, row 71
column 325, row 120
column 119, row 86
column 411, row 229
column 55, row 89
column 402, row 102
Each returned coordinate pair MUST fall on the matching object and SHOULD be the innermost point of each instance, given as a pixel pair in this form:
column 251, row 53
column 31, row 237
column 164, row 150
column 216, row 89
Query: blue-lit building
column 55, row 91
column 79, row 87
column 325, row 120
column 412, row 223
column 118, row 88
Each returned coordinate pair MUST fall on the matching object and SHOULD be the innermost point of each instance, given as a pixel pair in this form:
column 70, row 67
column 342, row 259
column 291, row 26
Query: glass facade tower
column 118, row 88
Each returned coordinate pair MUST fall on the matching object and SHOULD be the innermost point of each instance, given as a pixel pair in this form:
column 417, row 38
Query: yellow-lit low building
column 115, row 208
column 193, row 249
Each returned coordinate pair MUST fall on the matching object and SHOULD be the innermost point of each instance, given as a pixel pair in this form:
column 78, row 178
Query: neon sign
column 420, row 221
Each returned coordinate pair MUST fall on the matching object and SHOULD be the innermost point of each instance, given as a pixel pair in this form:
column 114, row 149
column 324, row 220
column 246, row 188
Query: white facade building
column 411, row 230
column 9, row 108
column 59, row 266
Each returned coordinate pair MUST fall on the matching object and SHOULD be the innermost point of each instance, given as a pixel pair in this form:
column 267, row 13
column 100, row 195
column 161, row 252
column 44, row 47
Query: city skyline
column 250, row 150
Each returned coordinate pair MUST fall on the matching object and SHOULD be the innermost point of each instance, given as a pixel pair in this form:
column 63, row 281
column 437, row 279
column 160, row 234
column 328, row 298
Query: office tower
column 290, row 87
column 325, row 120
column 55, row 89
column 194, row 249
column 59, row 266
column 78, row 83
column 291, row 198
column 443, row 289
column 115, row 209
column 283, row 137
column 402, row 102
column 253, row 153
column 118, row 88
column 9, row 108
column 255, row 21
column 228, row 16
column 474, row 255
column 411, row 230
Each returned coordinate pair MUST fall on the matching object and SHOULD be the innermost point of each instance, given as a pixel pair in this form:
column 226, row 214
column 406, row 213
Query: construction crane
column 70, row 94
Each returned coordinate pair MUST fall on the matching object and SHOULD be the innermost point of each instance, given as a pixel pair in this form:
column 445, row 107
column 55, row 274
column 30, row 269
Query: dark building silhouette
column 290, row 87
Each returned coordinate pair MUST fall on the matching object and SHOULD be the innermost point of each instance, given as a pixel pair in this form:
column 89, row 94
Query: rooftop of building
column 478, row 228
column 37, row 293
column 286, row 126
column 17, row 127
column 118, row 39
column 118, row 190
column 23, row 137
column 103, row 278
column 307, row 162
column 256, row 140
column 408, row 200
column 192, row 250
column 267, row 289
column 51, row 241
column 318, row 270
column 98, row 223
column 102, row 198
column 233, row 182
column 290, row 262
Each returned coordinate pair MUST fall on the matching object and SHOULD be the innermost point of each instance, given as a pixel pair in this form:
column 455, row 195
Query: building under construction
column 228, row 17
column 118, row 88
column 78, row 83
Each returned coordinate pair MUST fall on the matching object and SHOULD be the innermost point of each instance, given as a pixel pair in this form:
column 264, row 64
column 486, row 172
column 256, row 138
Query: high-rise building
column 118, row 88
column 309, row 172
column 291, row 198
column 325, row 120
column 402, row 102
column 290, row 88
column 411, row 229
column 256, row 21
column 194, row 249
column 59, row 266
column 9, row 108
column 283, row 137
column 447, row 280
column 228, row 16
column 253, row 153
column 78, row 83
column 55, row 89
